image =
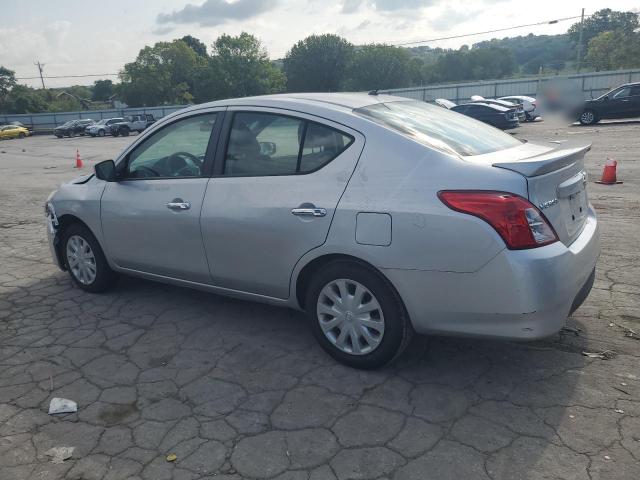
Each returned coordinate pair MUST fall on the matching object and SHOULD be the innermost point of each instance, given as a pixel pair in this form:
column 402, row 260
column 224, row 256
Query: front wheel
column 115, row 132
column 101, row 133
column 124, row 132
column 356, row 316
column 85, row 260
column 21, row 135
column 588, row 117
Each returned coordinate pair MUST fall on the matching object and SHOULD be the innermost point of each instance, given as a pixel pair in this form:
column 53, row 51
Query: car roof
column 338, row 101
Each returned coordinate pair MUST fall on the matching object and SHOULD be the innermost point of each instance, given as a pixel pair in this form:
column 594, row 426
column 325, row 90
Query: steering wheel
column 186, row 158
column 145, row 171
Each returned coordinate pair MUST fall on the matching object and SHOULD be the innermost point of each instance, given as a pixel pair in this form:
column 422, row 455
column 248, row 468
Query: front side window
column 438, row 128
column 264, row 144
column 177, row 150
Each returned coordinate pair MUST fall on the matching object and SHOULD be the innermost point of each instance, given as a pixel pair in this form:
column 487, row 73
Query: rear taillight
column 520, row 224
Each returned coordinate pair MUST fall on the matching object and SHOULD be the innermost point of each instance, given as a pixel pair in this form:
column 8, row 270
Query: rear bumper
column 519, row 294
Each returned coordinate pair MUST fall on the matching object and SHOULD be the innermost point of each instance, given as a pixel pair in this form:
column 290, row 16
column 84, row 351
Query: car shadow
column 608, row 123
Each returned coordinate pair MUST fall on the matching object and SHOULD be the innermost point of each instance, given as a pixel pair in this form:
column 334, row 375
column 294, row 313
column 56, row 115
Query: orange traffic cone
column 79, row 163
column 609, row 173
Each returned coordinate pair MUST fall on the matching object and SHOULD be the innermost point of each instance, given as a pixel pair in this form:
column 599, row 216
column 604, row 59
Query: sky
column 80, row 37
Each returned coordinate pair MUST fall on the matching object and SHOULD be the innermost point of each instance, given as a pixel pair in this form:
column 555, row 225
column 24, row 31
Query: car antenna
column 373, row 92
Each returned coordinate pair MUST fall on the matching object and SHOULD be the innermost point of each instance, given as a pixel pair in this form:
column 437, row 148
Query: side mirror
column 106, row 171
column 267, row 148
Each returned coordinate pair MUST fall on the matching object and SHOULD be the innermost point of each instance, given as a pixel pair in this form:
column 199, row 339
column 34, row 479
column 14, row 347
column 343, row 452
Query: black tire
column 71, row 133
column 397, row 327
column 101, row 133
column 59, row 135
column 588, row 117
column 124, row 131
column 21, row 135
column 105, row 278
column 115, row 132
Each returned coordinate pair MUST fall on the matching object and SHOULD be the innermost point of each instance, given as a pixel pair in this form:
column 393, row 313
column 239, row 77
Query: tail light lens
column 520, row 224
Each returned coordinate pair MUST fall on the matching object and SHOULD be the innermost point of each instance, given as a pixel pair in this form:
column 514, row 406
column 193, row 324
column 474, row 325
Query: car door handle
column 178, row 205
column 309, row 212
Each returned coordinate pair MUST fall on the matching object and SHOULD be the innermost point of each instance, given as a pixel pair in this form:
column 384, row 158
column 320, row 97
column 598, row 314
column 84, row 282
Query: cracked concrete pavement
column 241, row 390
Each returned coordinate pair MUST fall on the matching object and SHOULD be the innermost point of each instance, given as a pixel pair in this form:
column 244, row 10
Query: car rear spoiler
column 546, row 162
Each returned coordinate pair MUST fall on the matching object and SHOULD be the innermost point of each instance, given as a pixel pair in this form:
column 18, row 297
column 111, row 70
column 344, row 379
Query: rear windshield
column 437, row 127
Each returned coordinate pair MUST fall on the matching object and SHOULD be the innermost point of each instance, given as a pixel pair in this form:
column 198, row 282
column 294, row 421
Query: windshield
column 101, row 122
column 438, row 127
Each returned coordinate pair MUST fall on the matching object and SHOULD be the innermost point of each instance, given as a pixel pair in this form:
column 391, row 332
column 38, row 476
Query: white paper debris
column 59, row 454
column 62, row 405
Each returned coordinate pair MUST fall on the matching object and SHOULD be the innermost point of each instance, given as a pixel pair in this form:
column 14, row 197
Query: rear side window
column 439, row 128
column 266, row 144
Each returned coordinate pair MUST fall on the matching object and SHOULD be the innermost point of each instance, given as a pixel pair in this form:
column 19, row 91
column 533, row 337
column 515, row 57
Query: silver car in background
column 102, row 127
column 379, row 216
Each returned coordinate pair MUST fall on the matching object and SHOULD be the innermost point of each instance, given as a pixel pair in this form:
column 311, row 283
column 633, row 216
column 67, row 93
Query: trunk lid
column 556, row 182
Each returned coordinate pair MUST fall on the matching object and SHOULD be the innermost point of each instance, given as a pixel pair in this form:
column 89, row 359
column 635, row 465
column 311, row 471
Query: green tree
column 102, row 90
column 604, row 20
column 23, row 99
column 473, row 64
column 195, row 45
column 161, row 74
column 318, row 63
column 380, row 66
column 7, row 80
column 614, row 50
column 238, row 67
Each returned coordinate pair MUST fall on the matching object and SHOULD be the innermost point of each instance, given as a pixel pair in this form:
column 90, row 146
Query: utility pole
column 40, row 67
column 579, row 57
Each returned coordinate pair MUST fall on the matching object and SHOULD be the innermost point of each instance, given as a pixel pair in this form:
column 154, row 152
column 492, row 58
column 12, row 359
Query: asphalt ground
column 241, row 390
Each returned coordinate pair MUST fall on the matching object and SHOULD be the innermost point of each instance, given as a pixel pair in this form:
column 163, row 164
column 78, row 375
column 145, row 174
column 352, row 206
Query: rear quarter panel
column 400, row 177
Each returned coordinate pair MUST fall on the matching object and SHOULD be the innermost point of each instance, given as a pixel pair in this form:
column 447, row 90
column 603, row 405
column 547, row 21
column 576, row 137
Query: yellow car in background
column 13, row 131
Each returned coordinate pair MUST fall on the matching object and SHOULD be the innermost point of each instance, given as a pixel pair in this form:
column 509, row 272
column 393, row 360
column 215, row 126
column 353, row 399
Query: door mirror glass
column 106, row 171
column 267, row 148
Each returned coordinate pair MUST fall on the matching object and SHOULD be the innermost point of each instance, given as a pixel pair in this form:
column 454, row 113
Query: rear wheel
column 21, row 135
column 356, row 316
column 588, row 117
column 85, row 260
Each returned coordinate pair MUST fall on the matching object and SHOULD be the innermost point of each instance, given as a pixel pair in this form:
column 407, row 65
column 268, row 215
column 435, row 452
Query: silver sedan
column 378, row 216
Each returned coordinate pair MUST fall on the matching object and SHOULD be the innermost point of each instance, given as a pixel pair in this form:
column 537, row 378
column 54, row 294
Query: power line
column 547, row 22
column 71, row 76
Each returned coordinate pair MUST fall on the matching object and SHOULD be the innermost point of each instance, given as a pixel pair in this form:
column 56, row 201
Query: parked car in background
column 293, row 200
column 16, row 123
column 444, row 103
column 621, row 102
column 13, row 131
column 503, row 103
column 132, row 123
column 496, row 115
column 72, row 128
column 102, row 127
column 529, row 104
